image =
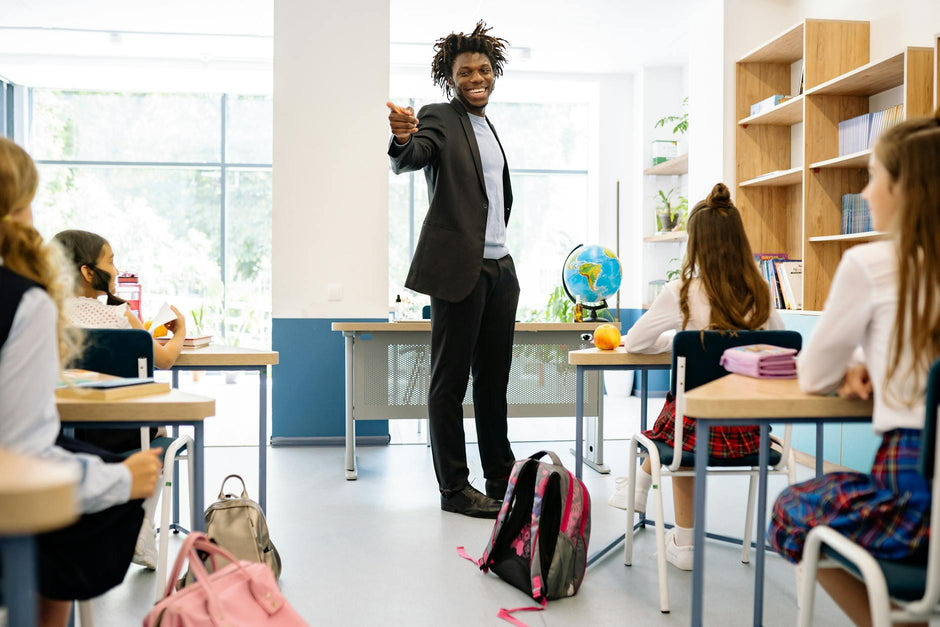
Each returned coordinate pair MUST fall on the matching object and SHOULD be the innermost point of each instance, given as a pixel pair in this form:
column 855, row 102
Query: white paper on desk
column 163, row 316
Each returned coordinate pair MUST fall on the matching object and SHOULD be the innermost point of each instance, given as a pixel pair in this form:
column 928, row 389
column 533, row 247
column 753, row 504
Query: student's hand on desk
column 402, row 121
column 145, row 469
column 857, row 383
column 177, row 326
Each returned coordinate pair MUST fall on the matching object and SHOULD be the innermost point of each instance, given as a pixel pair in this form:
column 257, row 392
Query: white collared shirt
column 29, row 420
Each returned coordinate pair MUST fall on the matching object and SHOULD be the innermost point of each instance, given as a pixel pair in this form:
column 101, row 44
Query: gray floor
column 379, row 550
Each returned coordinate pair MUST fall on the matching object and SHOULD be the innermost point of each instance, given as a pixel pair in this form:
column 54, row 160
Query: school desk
column 734, row 400
column 174, row 408
column 388, row 371
column 221, row 358
column 36, row 496
column 593, row 359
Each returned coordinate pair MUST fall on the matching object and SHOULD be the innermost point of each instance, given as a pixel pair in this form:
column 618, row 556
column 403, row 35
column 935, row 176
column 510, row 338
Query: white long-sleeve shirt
column 654, row 331
column 860, row 311
column 29, row 421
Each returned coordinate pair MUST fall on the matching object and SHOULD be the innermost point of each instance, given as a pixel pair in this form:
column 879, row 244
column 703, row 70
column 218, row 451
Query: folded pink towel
column 761, row 360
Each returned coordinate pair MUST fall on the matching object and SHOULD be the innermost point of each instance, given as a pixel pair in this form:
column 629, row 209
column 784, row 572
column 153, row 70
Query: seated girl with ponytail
column 720, row 288
column 95, row 277
column 90, row 556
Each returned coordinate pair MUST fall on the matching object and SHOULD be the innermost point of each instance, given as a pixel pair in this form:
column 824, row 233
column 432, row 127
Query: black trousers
column 473, row 337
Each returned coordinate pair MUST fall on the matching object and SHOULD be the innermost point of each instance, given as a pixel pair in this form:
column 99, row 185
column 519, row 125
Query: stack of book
column 856, row 216
column 785, row 278
column 762, row 361
column 765, row 263
column 790, row 280
column 199, row 341
column 97, row 386
column 861, row 132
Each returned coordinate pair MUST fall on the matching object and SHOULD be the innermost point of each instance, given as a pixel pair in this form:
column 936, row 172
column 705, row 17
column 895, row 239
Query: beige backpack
column 236, row 523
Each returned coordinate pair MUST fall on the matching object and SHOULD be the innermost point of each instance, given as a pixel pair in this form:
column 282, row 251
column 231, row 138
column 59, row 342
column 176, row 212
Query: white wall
column 658, row 92
column 706, row 102
column 330, row 189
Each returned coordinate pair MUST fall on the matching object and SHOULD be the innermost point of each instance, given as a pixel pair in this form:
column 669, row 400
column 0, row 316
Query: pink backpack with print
column 540, row 540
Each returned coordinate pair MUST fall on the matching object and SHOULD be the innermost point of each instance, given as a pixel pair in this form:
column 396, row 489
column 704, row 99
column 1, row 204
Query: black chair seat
column 907, row 579
column 688, row 459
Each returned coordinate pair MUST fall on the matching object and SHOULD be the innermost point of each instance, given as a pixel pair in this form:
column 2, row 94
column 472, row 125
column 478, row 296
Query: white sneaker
column 679, row 556
column 619, row 498
column 145, row 552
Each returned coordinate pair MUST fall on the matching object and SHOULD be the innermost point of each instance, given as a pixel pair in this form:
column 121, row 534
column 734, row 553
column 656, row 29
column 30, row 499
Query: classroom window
column 180, row 184
column 550, row 197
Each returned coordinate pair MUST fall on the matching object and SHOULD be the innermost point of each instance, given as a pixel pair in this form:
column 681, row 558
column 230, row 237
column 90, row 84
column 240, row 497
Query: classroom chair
column 129, row 353
column 913, row 584
column 695, row 357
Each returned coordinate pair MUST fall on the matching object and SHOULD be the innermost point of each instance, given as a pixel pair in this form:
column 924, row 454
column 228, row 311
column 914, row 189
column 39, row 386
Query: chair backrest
column 703, row 349
column 116, row 352
column 929, row 438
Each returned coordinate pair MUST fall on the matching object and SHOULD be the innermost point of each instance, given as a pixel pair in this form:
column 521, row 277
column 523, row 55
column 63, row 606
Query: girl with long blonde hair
column 90, row 556
column 884, row 298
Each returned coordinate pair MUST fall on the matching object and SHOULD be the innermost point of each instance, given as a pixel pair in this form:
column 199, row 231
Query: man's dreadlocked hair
column 448, row 48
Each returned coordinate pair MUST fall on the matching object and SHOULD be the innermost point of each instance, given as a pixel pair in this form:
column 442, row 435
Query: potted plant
column 681, row 121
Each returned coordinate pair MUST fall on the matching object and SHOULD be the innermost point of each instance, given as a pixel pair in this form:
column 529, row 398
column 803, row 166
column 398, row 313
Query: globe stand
column 593, row 309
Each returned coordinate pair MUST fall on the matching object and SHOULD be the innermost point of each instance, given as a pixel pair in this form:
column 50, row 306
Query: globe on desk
column 592, row 274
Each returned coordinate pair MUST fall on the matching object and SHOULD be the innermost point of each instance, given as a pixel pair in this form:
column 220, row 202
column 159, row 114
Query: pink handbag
column 242, row 593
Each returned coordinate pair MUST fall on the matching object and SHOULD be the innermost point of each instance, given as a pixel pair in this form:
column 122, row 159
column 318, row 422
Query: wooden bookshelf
column 936, row 74
column 854, row 160
column 671, row 237
column 793, row 176
column 785, row 114
column 679, row 165
column 798, row 210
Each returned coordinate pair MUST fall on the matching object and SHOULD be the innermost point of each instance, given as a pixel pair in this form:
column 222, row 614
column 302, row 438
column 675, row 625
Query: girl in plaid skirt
column 720, row 288
column 883, row 299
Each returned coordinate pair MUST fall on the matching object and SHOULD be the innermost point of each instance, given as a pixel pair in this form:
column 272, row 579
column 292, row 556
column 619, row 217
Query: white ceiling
column 227, row 44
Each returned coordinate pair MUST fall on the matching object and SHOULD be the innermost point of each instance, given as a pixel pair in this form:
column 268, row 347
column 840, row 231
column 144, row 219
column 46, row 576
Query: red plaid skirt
column 723, row 442
column 886, row 511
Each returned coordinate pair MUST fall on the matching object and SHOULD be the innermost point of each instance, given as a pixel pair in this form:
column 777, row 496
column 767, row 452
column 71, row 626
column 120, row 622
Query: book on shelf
column 790, row 278
column 765, row 263
column 97, row 386
column 199, row 341
column 856, row 215
column 861, row 132
column 768, row 103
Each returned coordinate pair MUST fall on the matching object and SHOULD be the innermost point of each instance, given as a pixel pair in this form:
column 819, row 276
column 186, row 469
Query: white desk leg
column 594, row 453
column 351, row 472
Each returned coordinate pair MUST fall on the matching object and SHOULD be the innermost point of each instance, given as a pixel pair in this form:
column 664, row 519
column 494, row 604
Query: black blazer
column 449, row 254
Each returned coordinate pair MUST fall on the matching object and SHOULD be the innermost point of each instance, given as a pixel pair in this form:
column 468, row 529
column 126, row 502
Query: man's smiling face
column 473, row 80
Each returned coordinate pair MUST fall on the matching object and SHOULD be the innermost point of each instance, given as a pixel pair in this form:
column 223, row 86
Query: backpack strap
column 463, row 553
column 540, row 454
column 222, row 489
column 507, row 614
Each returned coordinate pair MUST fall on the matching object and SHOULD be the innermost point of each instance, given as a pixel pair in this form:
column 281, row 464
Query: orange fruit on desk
column 607, row 337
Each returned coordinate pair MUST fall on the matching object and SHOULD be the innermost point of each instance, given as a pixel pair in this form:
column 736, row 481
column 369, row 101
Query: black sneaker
column 470, row 502
column 496, row 488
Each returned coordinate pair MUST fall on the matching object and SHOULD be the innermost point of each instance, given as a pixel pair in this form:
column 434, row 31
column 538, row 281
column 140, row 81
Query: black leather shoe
column 470, row 502
column 496, row 488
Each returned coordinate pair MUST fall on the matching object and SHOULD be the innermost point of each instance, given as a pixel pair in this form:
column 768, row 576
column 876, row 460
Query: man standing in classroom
column 462, row 263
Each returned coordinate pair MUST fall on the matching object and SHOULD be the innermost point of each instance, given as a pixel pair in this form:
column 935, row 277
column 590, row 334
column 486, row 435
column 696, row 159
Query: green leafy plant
column 681, row 121
column 670, row 214
column 673, row 271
